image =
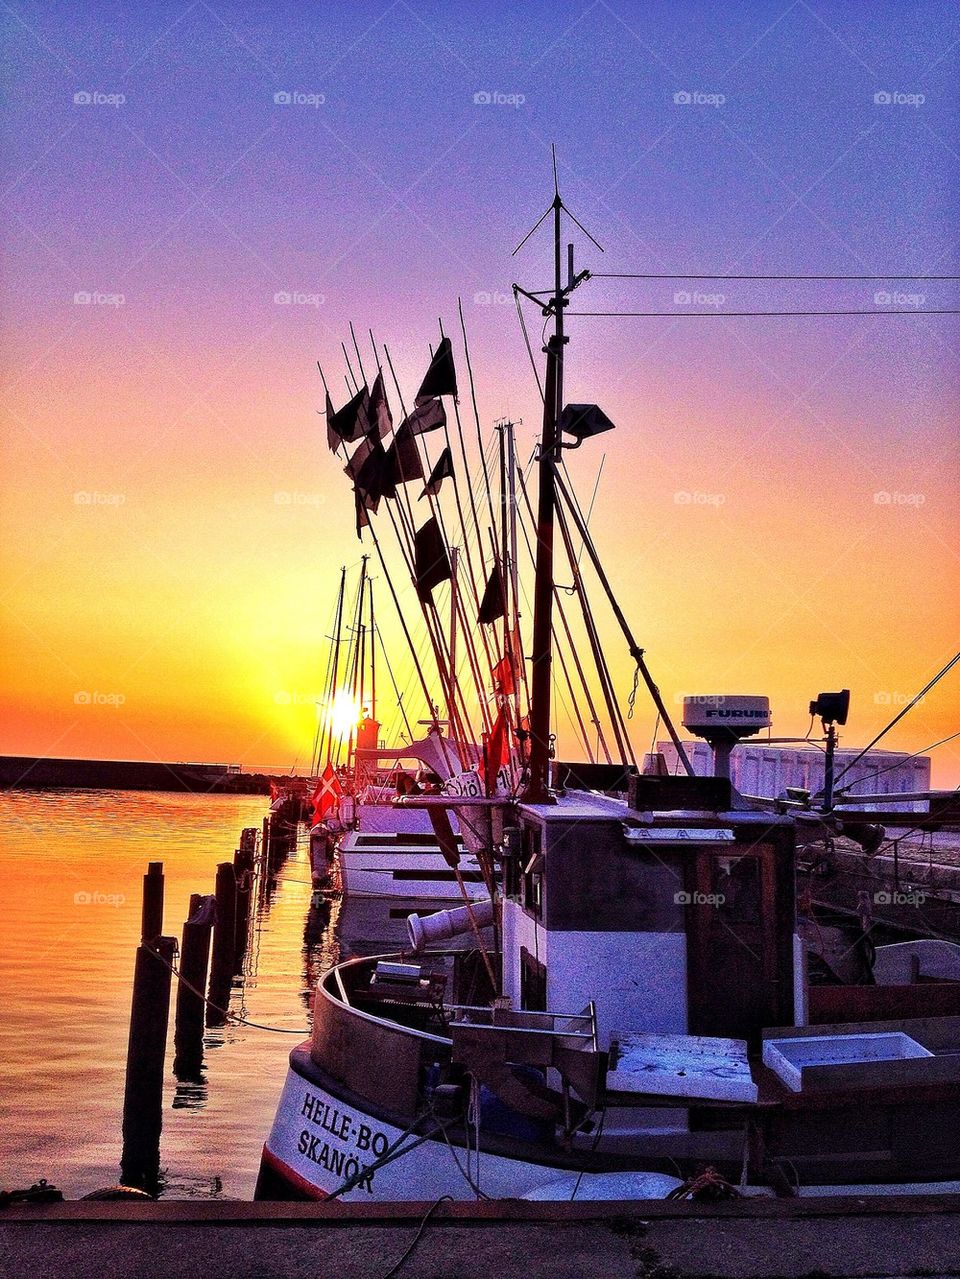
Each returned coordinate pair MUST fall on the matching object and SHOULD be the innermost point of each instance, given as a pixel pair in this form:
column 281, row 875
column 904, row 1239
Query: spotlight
column 832, row 708
column 583, row 421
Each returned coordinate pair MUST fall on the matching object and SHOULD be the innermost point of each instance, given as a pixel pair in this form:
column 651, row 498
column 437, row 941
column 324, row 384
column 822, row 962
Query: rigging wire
column 526, row 338
column 721, row 315
column 899, row 715
column 897, row 763
column 643, row 275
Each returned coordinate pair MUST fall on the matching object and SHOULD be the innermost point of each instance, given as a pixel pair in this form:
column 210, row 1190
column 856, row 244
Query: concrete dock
column 494, row 1240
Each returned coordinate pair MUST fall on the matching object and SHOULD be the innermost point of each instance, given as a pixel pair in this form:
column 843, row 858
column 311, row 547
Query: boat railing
column 582, row 1025
column 565, row 1042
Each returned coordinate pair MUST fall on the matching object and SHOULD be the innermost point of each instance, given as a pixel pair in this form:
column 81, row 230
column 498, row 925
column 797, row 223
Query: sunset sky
column 778, row 505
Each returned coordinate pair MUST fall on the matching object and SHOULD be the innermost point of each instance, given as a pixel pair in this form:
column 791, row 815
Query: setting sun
column 343, row 714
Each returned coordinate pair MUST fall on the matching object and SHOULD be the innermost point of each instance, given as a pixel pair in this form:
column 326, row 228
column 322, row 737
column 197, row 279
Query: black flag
column 333, row 439
column 440, row 472
column 351, row 423
column 370, row 470
column 429, row 416
column 447, row 841
column 403, row 457
column 441, row 378
column 492, row 605
column 378, row 413
column 430, row 558
column 363, row 519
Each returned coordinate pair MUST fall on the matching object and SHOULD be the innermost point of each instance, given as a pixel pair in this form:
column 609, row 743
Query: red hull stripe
column 293, row 1179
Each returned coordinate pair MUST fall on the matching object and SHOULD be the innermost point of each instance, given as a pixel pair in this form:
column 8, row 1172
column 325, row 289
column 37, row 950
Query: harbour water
column 71, row 867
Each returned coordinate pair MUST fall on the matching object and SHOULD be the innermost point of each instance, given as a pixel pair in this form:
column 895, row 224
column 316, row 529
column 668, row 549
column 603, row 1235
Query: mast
column 454, row 566
column 356, row 681
column 333, row 671
column 373, row 654
column 537, row 790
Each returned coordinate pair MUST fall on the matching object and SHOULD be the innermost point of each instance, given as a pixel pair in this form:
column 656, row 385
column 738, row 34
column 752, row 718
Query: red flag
column 496, row 750
column 503, row 681
column 326, row 793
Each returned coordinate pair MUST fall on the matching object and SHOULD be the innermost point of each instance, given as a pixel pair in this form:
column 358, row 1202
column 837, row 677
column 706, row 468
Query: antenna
column 556, row 204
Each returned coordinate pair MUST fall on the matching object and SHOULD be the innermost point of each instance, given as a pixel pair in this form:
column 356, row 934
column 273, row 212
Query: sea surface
column 71, row 870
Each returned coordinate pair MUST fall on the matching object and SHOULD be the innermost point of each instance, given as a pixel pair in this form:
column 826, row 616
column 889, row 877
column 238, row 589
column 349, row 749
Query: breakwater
column 26, row 772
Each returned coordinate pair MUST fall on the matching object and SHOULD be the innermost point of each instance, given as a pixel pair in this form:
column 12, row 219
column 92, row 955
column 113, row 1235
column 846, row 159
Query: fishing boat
column 645, row 1025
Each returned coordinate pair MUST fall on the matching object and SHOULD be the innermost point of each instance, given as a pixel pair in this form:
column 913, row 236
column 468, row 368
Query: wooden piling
column 194, row 959
column 243, row 868
column 151, row 920
column 224, row 941
column 143, row 1089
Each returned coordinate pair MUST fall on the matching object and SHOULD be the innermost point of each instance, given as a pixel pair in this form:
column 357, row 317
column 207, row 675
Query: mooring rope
column 225, row 1012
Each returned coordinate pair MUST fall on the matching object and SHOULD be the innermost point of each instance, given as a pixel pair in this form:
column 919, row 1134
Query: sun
column 343, row 714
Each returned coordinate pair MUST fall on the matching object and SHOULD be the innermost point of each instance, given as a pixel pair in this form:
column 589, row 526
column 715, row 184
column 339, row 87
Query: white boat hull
column 420, row 878
column 318, row 1141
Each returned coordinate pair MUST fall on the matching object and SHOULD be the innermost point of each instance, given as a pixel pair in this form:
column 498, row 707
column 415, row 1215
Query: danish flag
column 326, row 794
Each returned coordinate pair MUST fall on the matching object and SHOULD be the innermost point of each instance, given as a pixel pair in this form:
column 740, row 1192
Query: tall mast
column 454, row 567
column 537, row 790
column 333, row 671
column 541, row 658
column 373, row 654
column 356, row 681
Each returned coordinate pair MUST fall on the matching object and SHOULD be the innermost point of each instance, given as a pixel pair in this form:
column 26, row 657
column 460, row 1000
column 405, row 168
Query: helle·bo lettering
column 343, row 1129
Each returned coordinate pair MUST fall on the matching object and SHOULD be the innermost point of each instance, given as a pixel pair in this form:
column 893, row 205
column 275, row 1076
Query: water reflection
column 71, row 867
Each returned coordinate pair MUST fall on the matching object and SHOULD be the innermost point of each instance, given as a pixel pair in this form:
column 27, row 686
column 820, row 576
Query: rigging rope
column 526, row 338
column 408, row 1252
column 632, row 699
column 224, row 1012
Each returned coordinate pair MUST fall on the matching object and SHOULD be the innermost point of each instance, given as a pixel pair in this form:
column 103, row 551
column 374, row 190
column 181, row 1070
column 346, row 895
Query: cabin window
column 533, row 983
column 532, row 871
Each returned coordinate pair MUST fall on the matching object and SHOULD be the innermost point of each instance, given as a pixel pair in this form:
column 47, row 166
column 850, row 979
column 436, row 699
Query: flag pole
column 606, row 683
column 431, row 617
column 373, row 655
column 330, row 683
column 437, row 511
column 418, row 667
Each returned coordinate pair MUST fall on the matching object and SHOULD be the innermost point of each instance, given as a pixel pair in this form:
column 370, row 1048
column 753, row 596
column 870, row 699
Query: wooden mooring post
column 146, row 1049
column 151, row 918
column 244, row 867
column 194, row 960
column 224, row 944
